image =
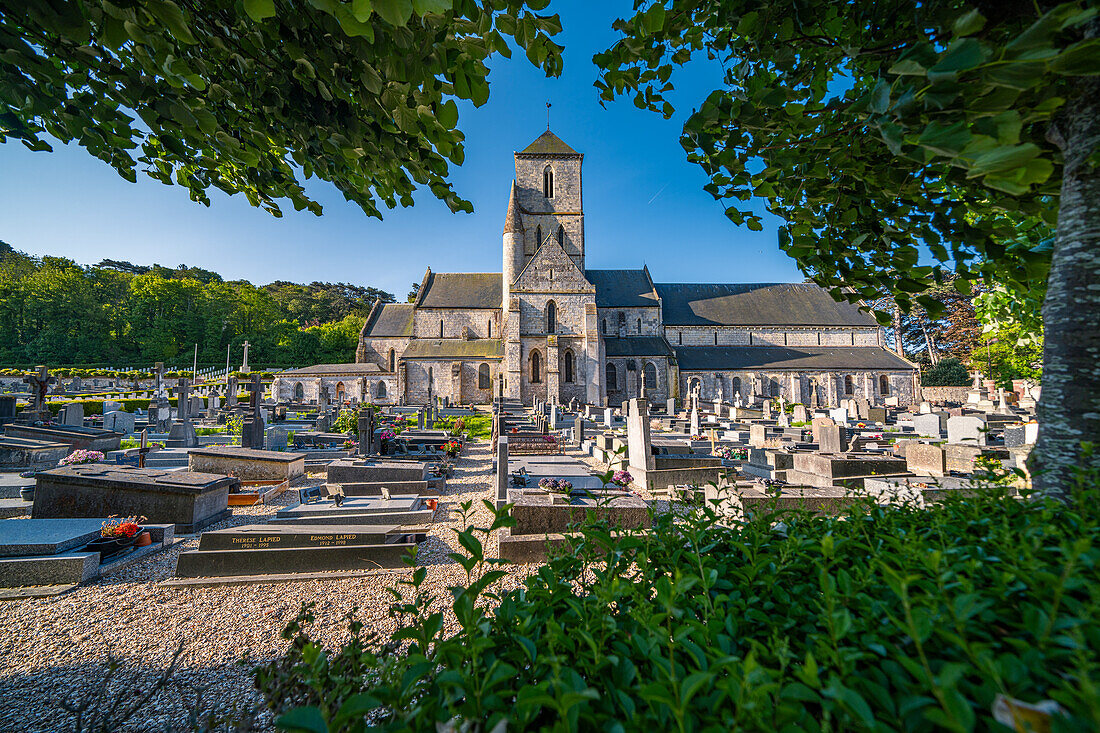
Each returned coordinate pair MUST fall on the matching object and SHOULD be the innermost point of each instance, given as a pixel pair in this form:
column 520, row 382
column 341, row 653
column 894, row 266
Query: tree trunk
column 1069, row 411
column 897, row 332
column 928, row 341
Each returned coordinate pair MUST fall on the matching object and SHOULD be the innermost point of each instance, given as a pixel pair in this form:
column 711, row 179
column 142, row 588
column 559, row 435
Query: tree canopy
column 54, row 311
column 900, row 141
column 255, row 96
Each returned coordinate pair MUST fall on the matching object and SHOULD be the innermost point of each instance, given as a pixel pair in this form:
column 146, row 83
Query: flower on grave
column 121, row 527
column 350, row 445
column 515, row 430
column 563, row 485
column 546, row 483
column 452, row 448
column 548, row 438
column 387, row 435
column 622, row 478
column 458, row 426
column 80, row 456
column 861, row 425
column 698, row 437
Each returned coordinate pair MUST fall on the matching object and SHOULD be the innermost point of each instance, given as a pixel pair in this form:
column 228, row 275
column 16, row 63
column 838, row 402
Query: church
column 553, row 330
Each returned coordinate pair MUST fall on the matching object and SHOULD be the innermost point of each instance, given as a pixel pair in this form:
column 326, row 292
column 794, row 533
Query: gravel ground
column 53, row 648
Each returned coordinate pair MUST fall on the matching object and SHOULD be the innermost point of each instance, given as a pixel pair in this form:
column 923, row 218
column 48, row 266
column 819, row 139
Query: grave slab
column 247, row 464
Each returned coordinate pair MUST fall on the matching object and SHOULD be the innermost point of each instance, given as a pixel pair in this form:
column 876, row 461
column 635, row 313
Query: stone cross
column 40, row 383
column 183, row 399
column 244, row 364
column 158, row 391
column 256, row 396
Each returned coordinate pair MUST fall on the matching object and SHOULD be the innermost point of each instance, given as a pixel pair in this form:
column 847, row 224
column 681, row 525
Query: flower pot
column 111, row 546
column 144, row 539
column 432, row 504
column 26, row 493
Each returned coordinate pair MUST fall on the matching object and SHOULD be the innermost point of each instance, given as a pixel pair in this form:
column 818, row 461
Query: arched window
column 568, row 369
column 489, row 328
column 440, row 328
column 561, row 236
column 715, row 338
column 548, row 182
column 884, row 384
column 649, row 374
column 736, row 386
column 381, row 391
column 612, row 378
column 693, row 384
column 849, row 385
column 551, row 317
column 538, row 236
column 299, row 392
column 483, row 377
column 431, row 379
column 536, row 367
column 393, row 361
column 605, row 327
column 680, row 338
column 639, row 326
column 773, row 387
column 339, row 391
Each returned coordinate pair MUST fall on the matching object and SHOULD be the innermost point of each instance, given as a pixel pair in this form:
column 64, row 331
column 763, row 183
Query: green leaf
column 962, row 54
column 655, row 16
column 303, row 720
column 946, row 140
column 423, row 7
column 969, row 24
column 173, row 17
column 361, row 10
column 1002, row 159
column 1080, row 59
column 258, row 10
column 394, row 12
column 448, row 114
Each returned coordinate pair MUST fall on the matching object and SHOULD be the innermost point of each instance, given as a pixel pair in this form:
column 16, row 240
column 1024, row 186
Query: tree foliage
column 256, row 96
column 54, row 311
column 948, row 372
column 879, row 131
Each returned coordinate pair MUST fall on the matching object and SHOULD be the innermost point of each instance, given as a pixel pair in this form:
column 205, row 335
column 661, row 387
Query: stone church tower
column 552, row 347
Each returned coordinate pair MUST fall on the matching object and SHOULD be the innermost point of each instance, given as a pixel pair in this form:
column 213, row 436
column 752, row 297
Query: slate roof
column 622, row 288
column 824, row 358
column 395, row 319
column 548, row 144
column 756, row 304
column 454, row 349
column 462, row 290
column 637, row 346
column 332, row 370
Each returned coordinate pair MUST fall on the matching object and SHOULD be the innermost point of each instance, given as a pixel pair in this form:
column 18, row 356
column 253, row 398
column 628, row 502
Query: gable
column 551, row 259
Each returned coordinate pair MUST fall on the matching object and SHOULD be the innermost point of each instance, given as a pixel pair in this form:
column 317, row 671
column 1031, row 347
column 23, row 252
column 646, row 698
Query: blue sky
column 644, row 203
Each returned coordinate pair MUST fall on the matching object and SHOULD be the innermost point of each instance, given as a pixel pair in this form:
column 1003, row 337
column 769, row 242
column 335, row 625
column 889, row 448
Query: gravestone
column 502, row 471
column 817, row 424
column 799, row 414
column 924, row 459
column 757, row 435
column 231, row 389
column 252, row 431
column 931, row 424
column 876, row 415
column 966, row 429
column 39, row 383
column 670, row 406
column 366, row 431
column 111, row 406
column 608, row 417
column 118, row 421
column 182, row 433
column 72, row 414
column 639, row 446
column 833, row 439
column 7, row 408
column 578, row 429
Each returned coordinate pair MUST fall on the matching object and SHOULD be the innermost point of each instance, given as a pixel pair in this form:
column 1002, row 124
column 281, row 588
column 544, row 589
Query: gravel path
column 53, row 648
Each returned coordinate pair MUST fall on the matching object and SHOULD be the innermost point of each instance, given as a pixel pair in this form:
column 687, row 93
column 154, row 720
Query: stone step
column 215, row 563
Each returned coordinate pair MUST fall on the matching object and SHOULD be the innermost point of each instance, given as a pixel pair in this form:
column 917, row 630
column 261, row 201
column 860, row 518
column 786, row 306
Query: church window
column 299, row 392
column 483, row 376
column 605, row 327
column 715, row 338
column 568, row 367
column 538, row 236
column 551, row 317
column 561, row 236
column 639, row 326
column 551, row 273
column 381, row 392
column 649, row 374
column 884, row 384
column 849, row 384
column 440, row 328
column 489, row 328
column 340, row 391
column 737, row 385
column 393, row 361
column 680, row 337
column 612, row 378
column 773, row 387
column 536, row 367
column 431, row 379
column 548, row 182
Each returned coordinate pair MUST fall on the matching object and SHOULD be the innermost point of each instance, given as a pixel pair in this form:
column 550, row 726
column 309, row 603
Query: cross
column 40, row 382
column 548, row 115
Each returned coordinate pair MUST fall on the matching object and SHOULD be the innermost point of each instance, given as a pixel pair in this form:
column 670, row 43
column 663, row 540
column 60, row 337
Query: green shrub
column 347, row 421
column 949, row 372
column 95, row 406
column 885, row 618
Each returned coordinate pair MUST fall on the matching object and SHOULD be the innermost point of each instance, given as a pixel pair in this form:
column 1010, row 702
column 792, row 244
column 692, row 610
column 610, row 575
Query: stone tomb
column 273, row 549
column 45, row 552
column 186, row 499
column 27, row 453
column 841, row 470
column 247, row 464
column 354, row 471
column 76, row 437
column 398, row 510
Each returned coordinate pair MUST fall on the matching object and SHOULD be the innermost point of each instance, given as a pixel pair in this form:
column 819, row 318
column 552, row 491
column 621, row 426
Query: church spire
column 511, row 219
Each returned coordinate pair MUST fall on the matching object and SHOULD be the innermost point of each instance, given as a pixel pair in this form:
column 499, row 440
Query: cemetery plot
column 247, row 463
column 72, row 435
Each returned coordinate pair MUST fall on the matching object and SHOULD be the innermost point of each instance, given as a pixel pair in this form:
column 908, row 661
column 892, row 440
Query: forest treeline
column 56, row 311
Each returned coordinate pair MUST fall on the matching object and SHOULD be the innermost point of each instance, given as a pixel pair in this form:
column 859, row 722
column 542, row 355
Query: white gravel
column 54, row 647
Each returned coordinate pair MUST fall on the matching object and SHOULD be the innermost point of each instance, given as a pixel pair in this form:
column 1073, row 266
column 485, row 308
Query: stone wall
column 635, row 322
column 569, row 319
column 356, row 389
column 377, row 351
column 444, row 383
column 945, row 394
column 787, row 336
column 481, row 322
column 797, row 387
column 627, row 381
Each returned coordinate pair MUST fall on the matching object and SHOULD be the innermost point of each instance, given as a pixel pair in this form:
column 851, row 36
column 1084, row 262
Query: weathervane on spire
column 548, row 115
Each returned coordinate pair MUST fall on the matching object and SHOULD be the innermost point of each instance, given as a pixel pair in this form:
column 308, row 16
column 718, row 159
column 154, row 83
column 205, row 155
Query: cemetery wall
column 944, row 394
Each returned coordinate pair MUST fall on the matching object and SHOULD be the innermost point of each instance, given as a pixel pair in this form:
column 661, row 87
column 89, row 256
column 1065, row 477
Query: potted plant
column 559, row 485
column 622, row 478
column 116, row 535
column 452, row 448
